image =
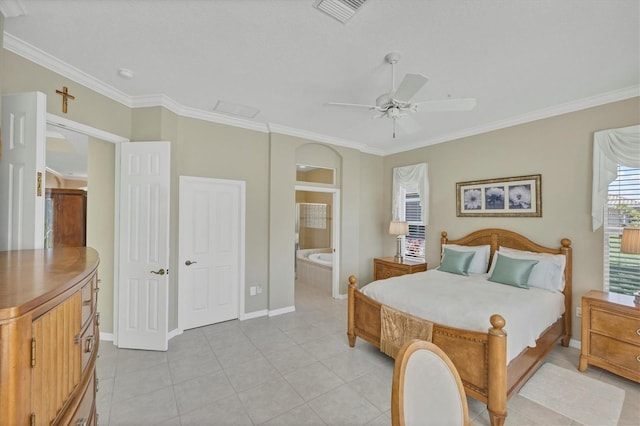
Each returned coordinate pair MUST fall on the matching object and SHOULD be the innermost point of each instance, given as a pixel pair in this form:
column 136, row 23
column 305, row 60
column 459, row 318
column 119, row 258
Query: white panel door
column 22, row 171
column 211, row 217
column 143, row 250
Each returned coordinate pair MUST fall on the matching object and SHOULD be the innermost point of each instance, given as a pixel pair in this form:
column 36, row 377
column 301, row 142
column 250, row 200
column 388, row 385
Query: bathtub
column 314, row 267
column 322, row 258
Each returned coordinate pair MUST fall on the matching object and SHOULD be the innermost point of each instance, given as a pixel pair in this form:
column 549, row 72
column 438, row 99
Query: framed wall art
column 514, row 196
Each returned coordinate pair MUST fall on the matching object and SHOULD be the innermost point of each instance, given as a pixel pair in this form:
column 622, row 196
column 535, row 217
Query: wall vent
column 341, row 10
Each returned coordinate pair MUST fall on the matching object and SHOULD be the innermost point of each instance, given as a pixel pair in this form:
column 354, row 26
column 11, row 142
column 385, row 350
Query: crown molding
column 291, row 131
column 573, row 106
column 181, row 110
column 42, row 58
column 54, row 64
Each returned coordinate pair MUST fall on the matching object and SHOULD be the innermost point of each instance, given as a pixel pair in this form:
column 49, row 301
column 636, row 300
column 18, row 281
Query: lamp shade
column 398, row 228
column 630, row 242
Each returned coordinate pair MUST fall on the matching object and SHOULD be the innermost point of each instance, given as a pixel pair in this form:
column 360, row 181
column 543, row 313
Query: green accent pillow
column 512, row 271
column 456, row 262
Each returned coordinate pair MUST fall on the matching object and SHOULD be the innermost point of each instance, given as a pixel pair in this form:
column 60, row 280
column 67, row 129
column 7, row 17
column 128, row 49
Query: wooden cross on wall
column 65, row 96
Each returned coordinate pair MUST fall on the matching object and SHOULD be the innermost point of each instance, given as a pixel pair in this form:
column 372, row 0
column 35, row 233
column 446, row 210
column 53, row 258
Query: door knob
column 188, row 263
column 160, row 271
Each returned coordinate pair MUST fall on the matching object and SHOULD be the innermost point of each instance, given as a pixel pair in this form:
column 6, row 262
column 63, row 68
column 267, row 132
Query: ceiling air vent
column 342, row 10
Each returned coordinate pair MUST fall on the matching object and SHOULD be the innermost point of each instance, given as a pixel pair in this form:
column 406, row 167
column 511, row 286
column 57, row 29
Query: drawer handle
column 98, row 319
column 638, row 332
column 638, row 358
column 86, row 302
column 89, row 345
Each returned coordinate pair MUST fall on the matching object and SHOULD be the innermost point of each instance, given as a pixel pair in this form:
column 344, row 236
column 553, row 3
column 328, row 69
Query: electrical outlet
column 252, row 291
column 259, row 289
column 578, row 311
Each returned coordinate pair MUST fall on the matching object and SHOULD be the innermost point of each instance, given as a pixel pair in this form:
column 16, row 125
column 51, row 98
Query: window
column 414, row 240
column 410, row 203
column 621, row 270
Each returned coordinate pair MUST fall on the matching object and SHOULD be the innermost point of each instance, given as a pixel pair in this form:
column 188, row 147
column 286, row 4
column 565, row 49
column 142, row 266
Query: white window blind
column 621, row 270
column 414, row 240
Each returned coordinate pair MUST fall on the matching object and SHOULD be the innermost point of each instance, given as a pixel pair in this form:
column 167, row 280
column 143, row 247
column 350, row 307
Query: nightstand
column 386, row 267
column 611, row 333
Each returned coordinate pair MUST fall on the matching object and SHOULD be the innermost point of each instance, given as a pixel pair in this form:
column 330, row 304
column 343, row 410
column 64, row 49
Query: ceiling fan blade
column 462, row 104
column 409, row 86
column 342, row 104
column 408, row 124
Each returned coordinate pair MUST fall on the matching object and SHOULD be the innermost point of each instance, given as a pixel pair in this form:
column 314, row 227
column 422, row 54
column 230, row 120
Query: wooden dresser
column 48, row 336
column 386, row 267
column 611, row 333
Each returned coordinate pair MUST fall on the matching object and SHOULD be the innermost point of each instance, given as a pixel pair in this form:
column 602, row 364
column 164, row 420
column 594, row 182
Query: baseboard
column 342, row 296
column 106, row 336
column 174, row 333
column 281, row 311
column 573, row 343
column 254, row 314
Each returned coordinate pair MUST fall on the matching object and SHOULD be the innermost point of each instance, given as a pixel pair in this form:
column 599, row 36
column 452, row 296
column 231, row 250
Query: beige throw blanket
column 399, row 327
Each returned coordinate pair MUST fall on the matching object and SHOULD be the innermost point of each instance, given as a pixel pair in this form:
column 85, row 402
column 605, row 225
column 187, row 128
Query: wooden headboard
column 497, row 238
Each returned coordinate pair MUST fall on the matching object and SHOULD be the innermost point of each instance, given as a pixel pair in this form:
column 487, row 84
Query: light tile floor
column 293, row 369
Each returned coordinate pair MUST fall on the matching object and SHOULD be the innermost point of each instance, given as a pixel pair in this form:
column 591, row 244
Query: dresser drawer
column 616, row 325
column 89, row 342
column 87, row 296
column 623, row 354
column 85, row 414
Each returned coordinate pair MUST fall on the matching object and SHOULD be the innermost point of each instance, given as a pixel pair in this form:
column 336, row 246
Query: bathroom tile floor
column 292, row 369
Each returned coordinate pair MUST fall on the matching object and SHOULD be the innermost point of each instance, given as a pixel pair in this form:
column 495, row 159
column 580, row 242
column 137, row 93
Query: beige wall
column 95, row 110
column 217, row 151
column 559, row 148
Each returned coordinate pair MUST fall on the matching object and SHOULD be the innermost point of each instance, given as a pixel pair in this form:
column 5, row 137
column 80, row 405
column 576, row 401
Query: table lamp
column 398, row 228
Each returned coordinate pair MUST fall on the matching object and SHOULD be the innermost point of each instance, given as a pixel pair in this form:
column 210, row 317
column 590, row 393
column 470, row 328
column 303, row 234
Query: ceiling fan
column 397, row 104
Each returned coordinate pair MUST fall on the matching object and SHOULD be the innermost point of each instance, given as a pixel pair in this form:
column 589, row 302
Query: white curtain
column 410, row 178
column 610, row 148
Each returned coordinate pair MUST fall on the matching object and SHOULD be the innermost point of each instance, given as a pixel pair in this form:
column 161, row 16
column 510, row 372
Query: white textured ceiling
column 521, row 59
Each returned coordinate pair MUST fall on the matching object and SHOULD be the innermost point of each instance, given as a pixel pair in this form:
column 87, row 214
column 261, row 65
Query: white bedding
column 468, row 302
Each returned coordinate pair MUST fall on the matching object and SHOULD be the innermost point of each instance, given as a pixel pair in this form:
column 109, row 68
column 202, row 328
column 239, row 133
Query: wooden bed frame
column 480, row 358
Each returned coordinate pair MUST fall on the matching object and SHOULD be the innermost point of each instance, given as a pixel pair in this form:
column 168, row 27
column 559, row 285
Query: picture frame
column 519, row 196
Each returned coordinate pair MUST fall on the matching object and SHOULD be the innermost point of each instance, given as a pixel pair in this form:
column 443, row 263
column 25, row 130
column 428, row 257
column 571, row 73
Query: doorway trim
column 113, row 138
column 84, row 129
column 335, row 234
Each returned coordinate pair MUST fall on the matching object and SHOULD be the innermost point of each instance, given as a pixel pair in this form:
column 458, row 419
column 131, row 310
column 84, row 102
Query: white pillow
column 480, row 260
column 547, row 274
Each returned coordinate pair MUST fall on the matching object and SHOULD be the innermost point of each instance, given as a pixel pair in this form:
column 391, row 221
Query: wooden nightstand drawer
column 610, row 333
column 386, row 267
column 614, row 351
column 616, row 325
